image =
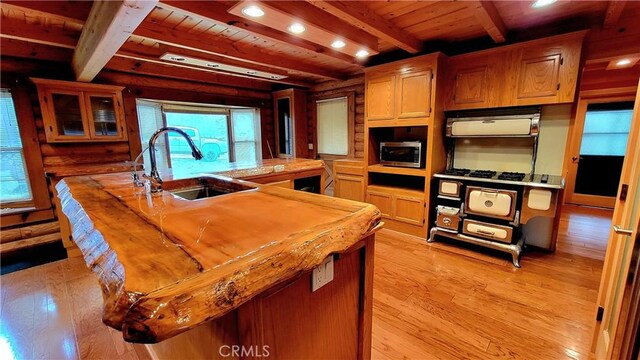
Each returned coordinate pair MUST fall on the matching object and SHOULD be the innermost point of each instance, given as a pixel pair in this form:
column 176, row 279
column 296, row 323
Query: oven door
column 495, row 203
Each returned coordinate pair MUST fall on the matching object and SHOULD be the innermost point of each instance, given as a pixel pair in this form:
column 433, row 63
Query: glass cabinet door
column 104, row 118
column 68, row 113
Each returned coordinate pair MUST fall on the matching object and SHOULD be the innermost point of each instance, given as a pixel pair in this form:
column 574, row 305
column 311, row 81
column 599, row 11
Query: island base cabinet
column 289, row 321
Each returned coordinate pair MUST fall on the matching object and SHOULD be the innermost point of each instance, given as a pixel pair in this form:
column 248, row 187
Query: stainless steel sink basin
column 204, row 187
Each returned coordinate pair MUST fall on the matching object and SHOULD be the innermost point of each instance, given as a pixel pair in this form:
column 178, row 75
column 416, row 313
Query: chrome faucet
column 154, row 176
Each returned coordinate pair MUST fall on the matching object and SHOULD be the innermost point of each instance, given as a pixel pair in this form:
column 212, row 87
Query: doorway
column 597, row 149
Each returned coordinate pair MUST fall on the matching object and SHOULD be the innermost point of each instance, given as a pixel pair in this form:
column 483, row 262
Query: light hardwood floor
column 430, row 302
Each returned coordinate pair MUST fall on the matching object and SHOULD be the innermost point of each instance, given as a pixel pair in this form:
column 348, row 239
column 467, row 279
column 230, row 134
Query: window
column 333, row 126
column 223, row 134
column 606, row 129
column 14, row 180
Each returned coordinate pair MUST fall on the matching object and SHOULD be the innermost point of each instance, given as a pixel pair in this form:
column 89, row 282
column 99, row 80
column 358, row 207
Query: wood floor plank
column 431, row 301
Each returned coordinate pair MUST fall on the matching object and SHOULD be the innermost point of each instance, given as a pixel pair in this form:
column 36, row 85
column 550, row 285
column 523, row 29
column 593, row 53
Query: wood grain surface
column 166, row 264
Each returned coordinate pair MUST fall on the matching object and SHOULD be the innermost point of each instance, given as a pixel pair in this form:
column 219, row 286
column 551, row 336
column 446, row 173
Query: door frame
column 604, row 339
column 576, row 129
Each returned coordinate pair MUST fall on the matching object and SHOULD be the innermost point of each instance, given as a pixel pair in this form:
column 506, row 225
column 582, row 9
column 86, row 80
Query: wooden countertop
column 166, row 264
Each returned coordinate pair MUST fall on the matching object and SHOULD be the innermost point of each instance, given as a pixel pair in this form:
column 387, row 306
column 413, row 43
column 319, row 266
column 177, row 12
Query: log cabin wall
column 69, row 159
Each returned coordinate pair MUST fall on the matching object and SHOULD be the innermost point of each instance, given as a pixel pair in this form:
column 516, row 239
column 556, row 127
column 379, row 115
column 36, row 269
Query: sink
column 204, row 187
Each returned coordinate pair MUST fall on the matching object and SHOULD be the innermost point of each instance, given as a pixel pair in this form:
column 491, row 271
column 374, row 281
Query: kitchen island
column 228, row 270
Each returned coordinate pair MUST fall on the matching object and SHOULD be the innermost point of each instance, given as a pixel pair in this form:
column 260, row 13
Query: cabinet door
column 349, row 187
column 409, row 209
column 64, row 115
column 380, row 97
column 414, row 95
column 383, row 201
column 105, row 116
column 470, row 86
column 539, row 75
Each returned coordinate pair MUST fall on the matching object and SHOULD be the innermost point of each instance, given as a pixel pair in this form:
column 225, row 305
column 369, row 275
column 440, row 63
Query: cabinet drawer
column 488, row 231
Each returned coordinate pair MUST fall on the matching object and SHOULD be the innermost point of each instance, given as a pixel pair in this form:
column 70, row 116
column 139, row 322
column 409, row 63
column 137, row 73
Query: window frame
column 351, row 117
column 40, row 199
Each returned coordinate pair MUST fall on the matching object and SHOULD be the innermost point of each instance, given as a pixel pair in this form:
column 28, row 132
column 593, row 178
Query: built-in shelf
column 378, row 168
column 397, row 123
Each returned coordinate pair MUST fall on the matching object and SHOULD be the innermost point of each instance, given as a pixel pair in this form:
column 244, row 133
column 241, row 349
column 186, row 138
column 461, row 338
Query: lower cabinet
column 348, row 179
column 288, row 184
column 403, row 205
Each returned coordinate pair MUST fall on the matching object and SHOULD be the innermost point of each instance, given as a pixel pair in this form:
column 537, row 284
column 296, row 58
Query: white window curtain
column 333, row 126
column 150, row 120
column 14, row 180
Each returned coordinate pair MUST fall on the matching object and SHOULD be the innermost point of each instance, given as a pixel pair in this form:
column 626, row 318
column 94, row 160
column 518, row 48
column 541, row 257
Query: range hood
column 513, row 125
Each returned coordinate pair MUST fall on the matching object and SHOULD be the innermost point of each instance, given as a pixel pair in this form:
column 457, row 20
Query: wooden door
column 575, row 193
column 539, row 75
column 624, row 233
column 414, row 95
column 470, row 86
column 380, row 98
column 349, row 187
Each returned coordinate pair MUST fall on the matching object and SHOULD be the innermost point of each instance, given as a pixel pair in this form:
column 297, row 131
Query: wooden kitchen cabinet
column 380, row 97
column 538, row 72
column 401, row 93
column 398, row 204
column 414, row 95
column 348, row 179
column 76, row 112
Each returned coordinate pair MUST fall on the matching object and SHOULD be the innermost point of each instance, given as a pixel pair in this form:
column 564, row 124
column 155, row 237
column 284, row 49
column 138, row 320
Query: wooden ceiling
column 51, row 30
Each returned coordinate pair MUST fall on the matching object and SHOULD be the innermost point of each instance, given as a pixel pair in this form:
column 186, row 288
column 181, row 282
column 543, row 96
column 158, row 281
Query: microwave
column 405, row 154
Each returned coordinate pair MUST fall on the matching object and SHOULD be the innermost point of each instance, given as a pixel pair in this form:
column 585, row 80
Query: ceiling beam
column 613, row 13
column 69, row 11
column 217, row 12
column 109, row 25
column 221, row 47
column 366, row 19
column 229, row 49
column 59, row 47
column 488, row 16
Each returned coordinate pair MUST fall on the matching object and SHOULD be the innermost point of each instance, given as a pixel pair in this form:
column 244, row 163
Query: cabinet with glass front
column 74, row 112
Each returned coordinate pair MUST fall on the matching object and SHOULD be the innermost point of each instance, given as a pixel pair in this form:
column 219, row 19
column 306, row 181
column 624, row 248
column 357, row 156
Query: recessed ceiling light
column 362, row 53
column 338, row 44
column 623, row 62
column 253, row 11
column 296, row 28
column 177, row 58
column 542, row 3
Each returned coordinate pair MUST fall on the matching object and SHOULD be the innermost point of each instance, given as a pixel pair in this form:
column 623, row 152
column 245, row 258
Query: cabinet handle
column 620, row 231
column 51, row 128
column 558, row 87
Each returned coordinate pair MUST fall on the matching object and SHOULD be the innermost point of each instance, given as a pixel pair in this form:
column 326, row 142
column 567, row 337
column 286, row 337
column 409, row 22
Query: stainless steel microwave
column 405, row 154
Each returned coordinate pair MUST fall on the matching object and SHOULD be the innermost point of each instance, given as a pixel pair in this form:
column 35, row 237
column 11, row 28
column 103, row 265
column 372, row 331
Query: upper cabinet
column 290, row 112
column 76, row 112
column 537, row 72
column 401, row 93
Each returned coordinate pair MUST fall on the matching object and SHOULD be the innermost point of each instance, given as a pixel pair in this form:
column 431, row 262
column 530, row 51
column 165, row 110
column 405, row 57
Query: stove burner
column 485, row 174
column 513, row 176
column 457, row 172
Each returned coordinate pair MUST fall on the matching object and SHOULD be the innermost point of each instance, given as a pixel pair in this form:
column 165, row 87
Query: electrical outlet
column 323, row 274
column 310, row 146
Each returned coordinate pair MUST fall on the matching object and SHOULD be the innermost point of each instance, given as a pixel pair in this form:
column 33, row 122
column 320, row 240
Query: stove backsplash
column 514, row 154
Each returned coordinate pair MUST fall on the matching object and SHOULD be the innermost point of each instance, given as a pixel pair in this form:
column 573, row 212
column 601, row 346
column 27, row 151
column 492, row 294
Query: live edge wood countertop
column 166, row 264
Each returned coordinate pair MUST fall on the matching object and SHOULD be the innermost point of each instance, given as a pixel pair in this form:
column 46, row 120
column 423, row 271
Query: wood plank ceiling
column 50, row 30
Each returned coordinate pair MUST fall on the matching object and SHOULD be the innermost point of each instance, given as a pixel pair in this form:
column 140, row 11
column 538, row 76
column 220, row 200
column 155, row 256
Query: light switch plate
column 310, row 146
column 323, row 274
